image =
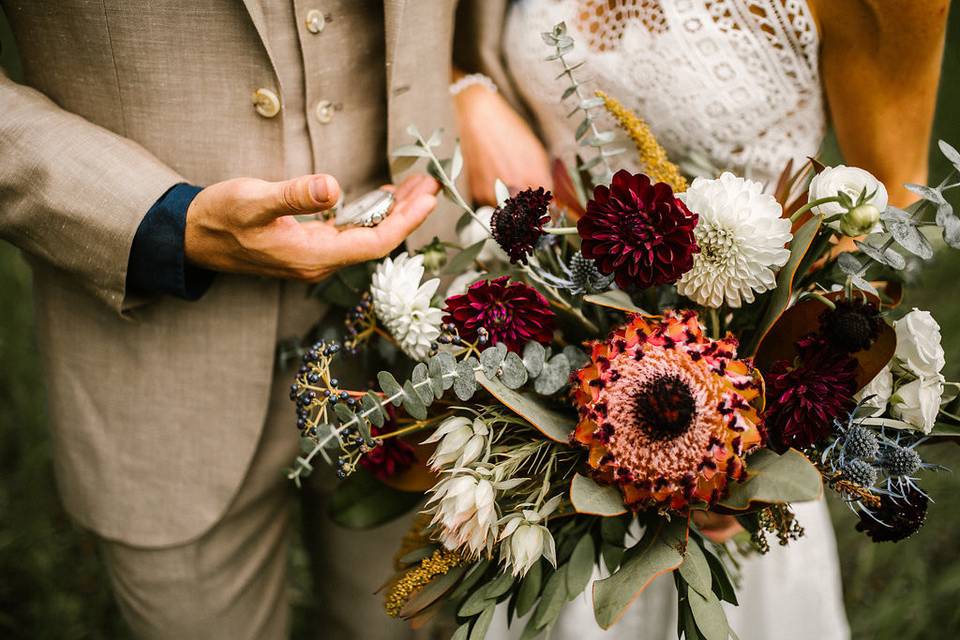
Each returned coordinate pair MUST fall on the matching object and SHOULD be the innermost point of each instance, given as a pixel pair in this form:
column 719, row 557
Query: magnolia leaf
column 533, row 358
column 491, row 359
column 463, row 260
column 552, row 600
column 477, row 571
column 555, row 426
column 780, row 298
column 479, row 631
column 707, row 611
column 589, row 496
column 696, row 570
column 655, row 555
column 554, row 376
column 774, row 479
column 362, row 502
column 530, row 589
column 480, row 599
column 512, row 372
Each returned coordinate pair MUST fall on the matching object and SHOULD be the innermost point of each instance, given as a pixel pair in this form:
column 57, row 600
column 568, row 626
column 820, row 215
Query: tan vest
column 157, row 405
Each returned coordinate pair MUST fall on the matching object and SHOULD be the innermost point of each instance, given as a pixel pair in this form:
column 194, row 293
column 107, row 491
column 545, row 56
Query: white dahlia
column 403, row 304
column 742, row 237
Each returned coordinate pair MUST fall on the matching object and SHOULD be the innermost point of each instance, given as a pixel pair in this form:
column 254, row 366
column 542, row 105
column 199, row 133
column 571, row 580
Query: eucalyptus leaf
column 951, row 231
column 390, row 387
column 950, row 153
column 480, row 627
column 435, row 138
column 445, row 366
column 477, row 571
column 533, row 358
column 602, row 138
column 325, row 433
column 930, row 194
column 591, row 103
column 530, row 589
column 552, row 424
column 613, row 530
column 463, row 260
column 863, row 285
column 456, row 163
column 849, row 264
column 412, row 403
column 590, row 497
column 372, row 408
column 462, row 632
column 465, row 384
column 722, row 586
column 421, row 384
column 569, row 91
column 582, row 128
column 436, row 378
column 410, row 151
column 888, row 257
column 612, row 555
column 552, row 600
column 554, row 376
column 656, row 554
column 512, row 372
column 910, row 238
column 491, row 358
column 774, row 479
column 576, row 358
column 580, row 566
column 613, row 299
column 343, row 413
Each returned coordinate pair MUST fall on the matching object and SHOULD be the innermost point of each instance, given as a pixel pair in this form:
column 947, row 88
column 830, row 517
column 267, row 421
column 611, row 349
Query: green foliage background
column 52, row 585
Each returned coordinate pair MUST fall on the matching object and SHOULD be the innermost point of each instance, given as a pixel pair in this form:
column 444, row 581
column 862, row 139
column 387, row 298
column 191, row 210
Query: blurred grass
column 52, row 586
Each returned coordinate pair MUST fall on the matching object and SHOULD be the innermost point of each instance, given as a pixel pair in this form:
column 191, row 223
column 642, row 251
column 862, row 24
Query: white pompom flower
column 462, row 441
column 464, row 508
column 403, row 304
column 742, row 237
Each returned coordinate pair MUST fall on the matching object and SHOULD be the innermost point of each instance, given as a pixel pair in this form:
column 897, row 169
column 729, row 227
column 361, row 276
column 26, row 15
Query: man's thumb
column 306, row 194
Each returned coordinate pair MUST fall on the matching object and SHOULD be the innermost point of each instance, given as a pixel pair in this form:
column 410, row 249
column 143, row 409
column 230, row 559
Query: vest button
column 315, row 21
column 324, row 111
column 266, row 103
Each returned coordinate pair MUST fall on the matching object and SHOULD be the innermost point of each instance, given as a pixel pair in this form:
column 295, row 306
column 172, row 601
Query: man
column 159, row 304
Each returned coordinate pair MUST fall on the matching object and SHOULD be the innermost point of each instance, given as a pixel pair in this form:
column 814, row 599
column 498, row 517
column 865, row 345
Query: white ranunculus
column 851, row 181
column 525, row 540
column 878, row 392
column 465, row 509
column 474, row 232
column 917, row 403
column 462, row 441
column 742, row 237
column 403, row 304
column 460, row 284
column 918, row 344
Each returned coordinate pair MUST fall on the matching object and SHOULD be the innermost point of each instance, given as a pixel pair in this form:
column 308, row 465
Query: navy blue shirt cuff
column 157, row 261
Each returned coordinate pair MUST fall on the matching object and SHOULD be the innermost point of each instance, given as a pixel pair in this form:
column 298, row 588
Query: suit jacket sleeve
column 72, row 193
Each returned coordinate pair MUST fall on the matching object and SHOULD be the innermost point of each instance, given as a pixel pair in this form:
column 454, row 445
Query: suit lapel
column 255, row 11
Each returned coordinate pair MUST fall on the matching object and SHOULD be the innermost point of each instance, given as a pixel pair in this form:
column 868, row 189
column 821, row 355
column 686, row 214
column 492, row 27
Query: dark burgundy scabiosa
column 390, row 456
column 852, row 326
column 639, row 232
column 806, row 396
column 517, row 224
column 511, row 312
column 896, row 518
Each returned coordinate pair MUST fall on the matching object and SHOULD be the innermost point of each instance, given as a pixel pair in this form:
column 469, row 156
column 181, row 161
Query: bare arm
column 880, row 61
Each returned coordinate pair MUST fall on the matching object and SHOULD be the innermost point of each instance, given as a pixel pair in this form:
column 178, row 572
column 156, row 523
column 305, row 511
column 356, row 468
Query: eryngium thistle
column 517, row 224
column 902, row 461
column 586, row 276
column 861, row 443
column 861, row 472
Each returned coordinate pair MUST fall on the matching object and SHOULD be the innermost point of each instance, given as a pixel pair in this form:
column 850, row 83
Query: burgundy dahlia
column 511, row 312
column 895, row 518
column 805, row 397
column 852, row 326
column 391, row 456
column 517, row 224
column 638, row 231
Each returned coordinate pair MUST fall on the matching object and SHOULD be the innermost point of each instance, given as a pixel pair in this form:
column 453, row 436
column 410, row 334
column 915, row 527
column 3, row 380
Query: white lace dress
column 735, row 82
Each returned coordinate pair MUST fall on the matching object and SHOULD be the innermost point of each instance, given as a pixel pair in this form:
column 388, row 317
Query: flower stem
column 561, row 231
column 810, row 205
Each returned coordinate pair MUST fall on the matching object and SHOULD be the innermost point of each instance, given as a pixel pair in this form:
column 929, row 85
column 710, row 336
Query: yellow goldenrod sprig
column 653, row 157
column 437, row 564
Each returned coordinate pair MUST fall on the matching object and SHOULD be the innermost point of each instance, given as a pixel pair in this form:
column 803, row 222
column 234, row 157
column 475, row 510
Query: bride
column 746, row 85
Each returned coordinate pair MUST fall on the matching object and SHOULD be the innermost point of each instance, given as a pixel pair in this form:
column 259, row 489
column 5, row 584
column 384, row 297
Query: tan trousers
column 231, row 583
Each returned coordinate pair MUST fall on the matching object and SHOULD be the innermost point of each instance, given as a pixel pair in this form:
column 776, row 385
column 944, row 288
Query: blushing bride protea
column 464, row 509
column 742, row 237
column 403, row 304
column 525, row 539
column 462, row 441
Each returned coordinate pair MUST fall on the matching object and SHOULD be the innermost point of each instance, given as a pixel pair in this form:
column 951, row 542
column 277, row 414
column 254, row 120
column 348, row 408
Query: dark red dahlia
column 806, row 396
column 895, row 518
column 852, row 326
column 517, row 224
column 511, row 312
column 639, row 232
column 391, row 456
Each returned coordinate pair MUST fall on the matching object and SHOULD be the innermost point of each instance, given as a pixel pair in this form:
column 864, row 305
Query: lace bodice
column 735, row 82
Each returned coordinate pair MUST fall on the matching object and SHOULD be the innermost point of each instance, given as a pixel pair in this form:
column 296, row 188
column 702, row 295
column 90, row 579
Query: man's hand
column 245, row 225
column 498, row 143
column 716, row 527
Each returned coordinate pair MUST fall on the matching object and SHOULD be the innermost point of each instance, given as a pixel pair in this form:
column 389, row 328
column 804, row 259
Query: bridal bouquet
column 617, row 365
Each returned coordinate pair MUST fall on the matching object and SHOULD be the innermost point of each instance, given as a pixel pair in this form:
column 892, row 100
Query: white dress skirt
column 735, row 82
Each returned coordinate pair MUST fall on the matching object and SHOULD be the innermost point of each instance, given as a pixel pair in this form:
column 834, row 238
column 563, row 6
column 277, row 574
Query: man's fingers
column 306, row 194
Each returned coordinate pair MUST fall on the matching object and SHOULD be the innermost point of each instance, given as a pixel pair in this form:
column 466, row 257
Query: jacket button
column 266, row 103
column 324, row 111
column 315, row 21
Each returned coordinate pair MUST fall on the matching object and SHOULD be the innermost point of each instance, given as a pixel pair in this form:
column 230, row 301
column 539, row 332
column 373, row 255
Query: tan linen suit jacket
column 157, row 405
